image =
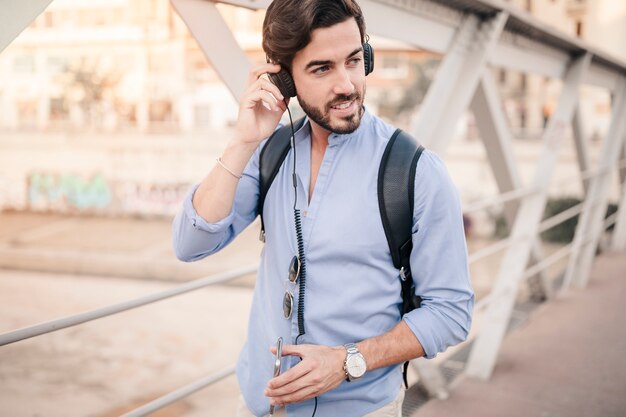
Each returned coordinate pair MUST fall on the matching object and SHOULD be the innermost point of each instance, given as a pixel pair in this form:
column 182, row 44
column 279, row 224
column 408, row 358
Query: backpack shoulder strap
column 396, row 181
column 271, row 159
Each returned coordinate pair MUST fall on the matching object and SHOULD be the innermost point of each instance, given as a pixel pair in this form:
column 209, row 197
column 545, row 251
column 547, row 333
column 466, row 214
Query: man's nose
column 343, row 83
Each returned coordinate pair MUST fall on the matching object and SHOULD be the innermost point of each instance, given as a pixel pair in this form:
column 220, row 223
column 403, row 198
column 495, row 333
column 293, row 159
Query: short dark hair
column 288, row 24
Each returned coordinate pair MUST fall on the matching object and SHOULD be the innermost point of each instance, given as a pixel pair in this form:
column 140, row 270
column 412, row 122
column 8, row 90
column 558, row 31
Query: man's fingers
column 259, row 70
column 300, row 395
column 262, row 97
column 295, row 350
column 265, row 85
column 291, row 387
column 291, row 375
column 271, row 87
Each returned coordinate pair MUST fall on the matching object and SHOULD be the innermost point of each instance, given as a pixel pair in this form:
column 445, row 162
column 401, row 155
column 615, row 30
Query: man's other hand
column 320, row 371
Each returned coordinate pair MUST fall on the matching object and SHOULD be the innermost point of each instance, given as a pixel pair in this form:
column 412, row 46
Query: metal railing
column 73, row 320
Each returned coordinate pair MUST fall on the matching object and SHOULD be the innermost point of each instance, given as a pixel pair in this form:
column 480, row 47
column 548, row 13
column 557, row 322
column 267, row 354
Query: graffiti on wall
column 153, row 199
column 66, row 192
column 70, row 193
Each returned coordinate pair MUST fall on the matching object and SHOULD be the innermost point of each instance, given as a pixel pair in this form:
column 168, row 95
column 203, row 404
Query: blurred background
column 109, row 112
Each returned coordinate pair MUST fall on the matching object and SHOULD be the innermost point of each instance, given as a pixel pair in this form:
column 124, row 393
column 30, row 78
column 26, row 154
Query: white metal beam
column 16, row 16
column 216, row 41
column 430, row 378
column 622, row 170
column 618, row 242
column 582, row 150
column 497, row 138
column 492, row 124
column 601, row 76
column 413, row 29
column 416, row 27
column 533, row 57
column 591, row 224
column 455, row 83
column 485, row 349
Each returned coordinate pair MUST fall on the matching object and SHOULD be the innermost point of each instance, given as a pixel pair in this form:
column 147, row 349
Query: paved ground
column 567, row 360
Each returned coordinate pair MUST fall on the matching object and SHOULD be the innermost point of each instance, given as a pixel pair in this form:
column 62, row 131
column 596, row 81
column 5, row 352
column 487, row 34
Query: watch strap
column 351, row 348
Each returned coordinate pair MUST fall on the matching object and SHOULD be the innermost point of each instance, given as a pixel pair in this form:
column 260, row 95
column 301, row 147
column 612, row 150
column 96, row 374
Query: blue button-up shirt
column 352, row 287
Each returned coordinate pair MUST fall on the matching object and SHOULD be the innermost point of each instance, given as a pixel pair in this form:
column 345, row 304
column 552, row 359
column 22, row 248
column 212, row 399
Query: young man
column 352, row 291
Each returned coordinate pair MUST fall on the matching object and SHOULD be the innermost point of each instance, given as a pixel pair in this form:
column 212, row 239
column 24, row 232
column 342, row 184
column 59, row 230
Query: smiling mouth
column 342, row 106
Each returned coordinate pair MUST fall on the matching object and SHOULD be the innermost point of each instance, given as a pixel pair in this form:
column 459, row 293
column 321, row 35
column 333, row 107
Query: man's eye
column 321, row 70
column 355, row 61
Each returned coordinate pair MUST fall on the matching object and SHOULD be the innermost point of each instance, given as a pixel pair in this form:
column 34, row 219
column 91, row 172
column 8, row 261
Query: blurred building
column 110, row 107
column 110, row 65
column 529, row 99
column 131, row 65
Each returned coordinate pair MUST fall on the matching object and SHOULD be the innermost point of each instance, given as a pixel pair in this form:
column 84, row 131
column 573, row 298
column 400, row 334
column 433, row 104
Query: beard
column 348, row 123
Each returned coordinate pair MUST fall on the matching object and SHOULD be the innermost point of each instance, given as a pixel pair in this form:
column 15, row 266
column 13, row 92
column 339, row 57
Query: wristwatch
column 354, row 365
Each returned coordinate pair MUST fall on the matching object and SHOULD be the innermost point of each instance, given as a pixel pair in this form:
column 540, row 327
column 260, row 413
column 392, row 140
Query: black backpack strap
column 396, row 182
column 271, row 159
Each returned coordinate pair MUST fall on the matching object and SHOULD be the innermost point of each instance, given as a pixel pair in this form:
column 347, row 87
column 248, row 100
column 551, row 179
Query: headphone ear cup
column 284, row 82
column 368, row 58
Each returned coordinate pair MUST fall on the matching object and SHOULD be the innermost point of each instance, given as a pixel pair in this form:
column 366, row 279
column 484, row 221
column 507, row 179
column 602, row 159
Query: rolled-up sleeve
column 439, row 260
column 194, row 238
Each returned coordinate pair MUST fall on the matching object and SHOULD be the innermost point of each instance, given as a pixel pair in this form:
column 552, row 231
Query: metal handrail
column 483, row 303
column 611, row 220
column 543, row 226
column 490, row 250
column 73, row 320
column 500, row 198
column 561, row 217
column 179, row 394
column 524, row 192
column 538, row 267
column 547, row 261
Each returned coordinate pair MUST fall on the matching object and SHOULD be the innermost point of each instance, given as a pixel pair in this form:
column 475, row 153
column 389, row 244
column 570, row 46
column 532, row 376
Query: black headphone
column 285, row 84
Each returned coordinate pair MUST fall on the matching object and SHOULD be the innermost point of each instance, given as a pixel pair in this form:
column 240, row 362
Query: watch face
column 355, row 366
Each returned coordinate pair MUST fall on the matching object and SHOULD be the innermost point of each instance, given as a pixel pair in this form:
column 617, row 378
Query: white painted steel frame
column 219, row 45
column 455, row 82
column 582, row 150
column 590, row 225
column 525, row 229
column 20, row 15
column 413, row 29
column 498, row 140
column 619, row 233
